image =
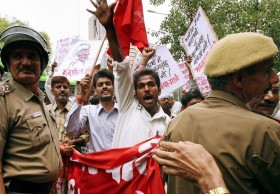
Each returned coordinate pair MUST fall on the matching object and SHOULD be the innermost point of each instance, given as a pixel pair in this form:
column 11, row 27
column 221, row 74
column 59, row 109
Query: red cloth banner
column 117, row 171
column 130, row 26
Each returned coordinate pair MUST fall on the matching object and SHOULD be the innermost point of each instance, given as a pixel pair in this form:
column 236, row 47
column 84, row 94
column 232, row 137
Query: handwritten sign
column 171, row 76
column 62, row 49
column 136, row 60
column 185, row 72
column 198, row 41
column 79, row 60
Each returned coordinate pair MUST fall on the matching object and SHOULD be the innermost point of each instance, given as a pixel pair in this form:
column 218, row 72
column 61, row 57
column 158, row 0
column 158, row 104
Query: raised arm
column 48, row 87
column 147, row 54
column 105, row 14
column 77, row 118
column 191, row 82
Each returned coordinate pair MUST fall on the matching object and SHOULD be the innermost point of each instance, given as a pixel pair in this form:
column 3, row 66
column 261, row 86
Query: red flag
column 119, row 171
column 130, row 26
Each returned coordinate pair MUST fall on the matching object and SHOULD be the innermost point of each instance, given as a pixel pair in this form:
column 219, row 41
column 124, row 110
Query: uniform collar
column 228, row 97
column 25, row 93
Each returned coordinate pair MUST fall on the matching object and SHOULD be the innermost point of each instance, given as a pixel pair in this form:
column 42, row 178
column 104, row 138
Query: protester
column 98, row 120
column 176, row 105
column 60, row 88
column 140, row 115
column 94, row 100
column 244, row 144
column 193, row 96
column 165, row 102
column 30, row 157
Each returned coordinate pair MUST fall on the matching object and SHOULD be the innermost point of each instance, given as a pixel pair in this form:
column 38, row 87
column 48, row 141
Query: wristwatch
column 218, row 190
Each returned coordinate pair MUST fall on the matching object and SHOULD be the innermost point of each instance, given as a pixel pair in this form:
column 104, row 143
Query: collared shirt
column 94, row 119
column 244, row 144
column 134, row 124
column 28, row 140
column 60, row 119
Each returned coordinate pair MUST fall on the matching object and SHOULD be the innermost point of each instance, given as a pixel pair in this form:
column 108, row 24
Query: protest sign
column 78, row 62
column 62, row 49
column 171, row 76
column 137, row 59
column 185, row 72
column 198, row 40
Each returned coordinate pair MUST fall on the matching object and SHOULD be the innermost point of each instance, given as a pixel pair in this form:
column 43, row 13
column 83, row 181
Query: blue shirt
column 94, row 119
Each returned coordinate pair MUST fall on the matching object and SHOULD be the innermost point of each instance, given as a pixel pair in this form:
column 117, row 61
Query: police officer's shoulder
column 266, row 115
column 6, row 87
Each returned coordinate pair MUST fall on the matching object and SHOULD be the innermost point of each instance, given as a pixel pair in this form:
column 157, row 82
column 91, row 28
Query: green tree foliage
column 5, row 23
column 226, row 17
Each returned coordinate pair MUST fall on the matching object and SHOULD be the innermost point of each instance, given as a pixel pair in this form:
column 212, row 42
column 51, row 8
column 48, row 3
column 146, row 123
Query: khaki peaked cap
column 238, row 51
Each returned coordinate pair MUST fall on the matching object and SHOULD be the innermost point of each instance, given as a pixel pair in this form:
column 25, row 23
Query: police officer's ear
column 238, row 78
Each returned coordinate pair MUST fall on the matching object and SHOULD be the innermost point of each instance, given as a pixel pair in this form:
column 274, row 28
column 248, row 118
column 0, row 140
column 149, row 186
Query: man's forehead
column 146, row 79
column 61, row 83
column 103, row 79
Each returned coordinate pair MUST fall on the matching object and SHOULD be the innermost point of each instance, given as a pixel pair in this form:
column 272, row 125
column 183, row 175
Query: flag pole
column 92, row 70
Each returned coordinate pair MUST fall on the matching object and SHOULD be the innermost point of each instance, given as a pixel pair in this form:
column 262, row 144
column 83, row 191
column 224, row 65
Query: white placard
column 198, row 40
column 171, row 76
column 62, row 49
column 80, row 58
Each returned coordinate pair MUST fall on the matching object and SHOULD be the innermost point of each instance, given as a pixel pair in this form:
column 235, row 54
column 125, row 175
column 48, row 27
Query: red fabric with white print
column 116, row 171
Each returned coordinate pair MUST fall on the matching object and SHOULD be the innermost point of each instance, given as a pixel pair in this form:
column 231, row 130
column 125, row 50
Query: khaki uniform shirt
column 245, row 145
column 60, row 117
column 28, row 139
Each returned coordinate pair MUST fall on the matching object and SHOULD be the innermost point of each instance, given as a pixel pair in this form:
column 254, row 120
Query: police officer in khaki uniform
column 245, row 145
column 30, row 159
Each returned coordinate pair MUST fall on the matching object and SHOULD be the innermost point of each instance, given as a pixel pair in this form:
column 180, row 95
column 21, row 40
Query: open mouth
column 105, row 92
column 148, row 98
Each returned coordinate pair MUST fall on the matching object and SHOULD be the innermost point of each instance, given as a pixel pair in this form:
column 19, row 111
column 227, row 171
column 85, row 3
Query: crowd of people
column 224, row 142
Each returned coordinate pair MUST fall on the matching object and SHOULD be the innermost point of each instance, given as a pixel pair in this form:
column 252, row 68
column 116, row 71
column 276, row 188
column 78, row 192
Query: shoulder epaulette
column 6, row 87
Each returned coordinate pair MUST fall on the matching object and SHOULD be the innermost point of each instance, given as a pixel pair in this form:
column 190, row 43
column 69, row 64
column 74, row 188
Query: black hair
column 59, row 79
column 144, row 72
column 103, row 73
column 193, row 93
column 218, row 83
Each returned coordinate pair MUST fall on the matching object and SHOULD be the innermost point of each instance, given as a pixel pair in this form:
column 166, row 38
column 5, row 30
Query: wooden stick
column 97, row 56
